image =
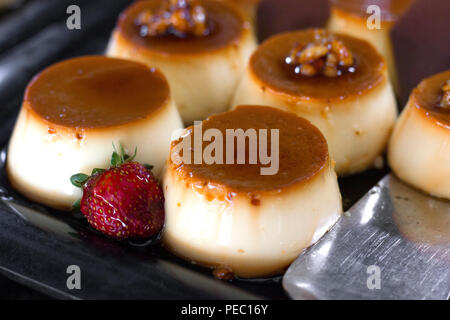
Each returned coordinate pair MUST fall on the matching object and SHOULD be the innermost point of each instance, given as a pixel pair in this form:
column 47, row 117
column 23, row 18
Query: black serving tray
column 37, row 244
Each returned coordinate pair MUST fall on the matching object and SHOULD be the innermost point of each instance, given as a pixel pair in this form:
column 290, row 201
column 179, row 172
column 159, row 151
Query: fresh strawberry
column 124, row 201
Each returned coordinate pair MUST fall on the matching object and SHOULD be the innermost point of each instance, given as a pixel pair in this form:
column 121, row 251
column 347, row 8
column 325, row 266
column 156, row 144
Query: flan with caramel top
column 74, row 111
column 419, row 149
column 252, row 216
column 201, row 46
column 358, row 18
column 337, row 82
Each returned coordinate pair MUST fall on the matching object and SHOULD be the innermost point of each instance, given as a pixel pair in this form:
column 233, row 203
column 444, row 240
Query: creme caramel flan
column 371, row 21
column 242, row 215
column 201, row 46
column 419, row 149
column 71, row 115
column 337, row 82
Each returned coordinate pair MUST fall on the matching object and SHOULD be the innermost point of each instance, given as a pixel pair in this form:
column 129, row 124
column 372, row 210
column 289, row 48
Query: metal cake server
column 392, row 244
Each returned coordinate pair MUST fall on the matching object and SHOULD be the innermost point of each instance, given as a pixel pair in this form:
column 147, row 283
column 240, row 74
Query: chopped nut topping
column 445, row 101
column 324, row 55
column 180, row 18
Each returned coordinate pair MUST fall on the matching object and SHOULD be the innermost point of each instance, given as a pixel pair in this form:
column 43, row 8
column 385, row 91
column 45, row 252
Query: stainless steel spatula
column 393, row 244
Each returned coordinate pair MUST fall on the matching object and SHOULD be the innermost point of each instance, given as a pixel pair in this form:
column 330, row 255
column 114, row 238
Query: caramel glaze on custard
column 268, row 65
column 95, row 91
column 303, row 152
column 391, row 10
column 226, row 29
column 427, row 97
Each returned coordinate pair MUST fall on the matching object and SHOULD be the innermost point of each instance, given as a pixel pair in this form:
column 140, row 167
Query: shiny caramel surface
column 96, row 91
column 303, row 152
column 427, row 97
column 227, row 26
column 391, row 10
column 269, row 67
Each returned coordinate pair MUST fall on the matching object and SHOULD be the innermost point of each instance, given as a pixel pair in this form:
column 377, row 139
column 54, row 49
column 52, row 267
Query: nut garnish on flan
column 180, row 18
column 325, row 55
column 445, row 100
